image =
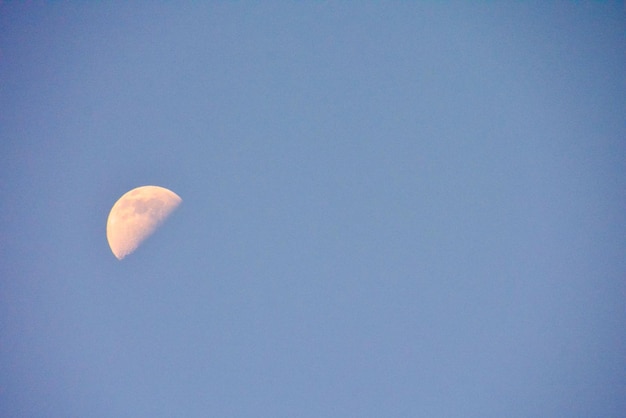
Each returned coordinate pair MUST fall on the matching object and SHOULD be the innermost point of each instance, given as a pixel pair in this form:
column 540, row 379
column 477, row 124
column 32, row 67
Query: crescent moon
column 136, row 215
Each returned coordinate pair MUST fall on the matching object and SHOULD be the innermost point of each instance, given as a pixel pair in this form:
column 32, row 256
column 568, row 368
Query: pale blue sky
column 391, row 209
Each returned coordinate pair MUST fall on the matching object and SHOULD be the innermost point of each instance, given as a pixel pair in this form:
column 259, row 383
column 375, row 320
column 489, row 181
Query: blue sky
column 390, row 209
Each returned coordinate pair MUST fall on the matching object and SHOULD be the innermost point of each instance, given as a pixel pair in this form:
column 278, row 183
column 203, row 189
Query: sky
column 390, row 209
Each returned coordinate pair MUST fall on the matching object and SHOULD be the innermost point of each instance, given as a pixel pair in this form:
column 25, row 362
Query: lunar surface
column 136, row 215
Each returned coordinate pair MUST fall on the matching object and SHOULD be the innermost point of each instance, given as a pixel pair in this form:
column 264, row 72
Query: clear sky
column 390, row 209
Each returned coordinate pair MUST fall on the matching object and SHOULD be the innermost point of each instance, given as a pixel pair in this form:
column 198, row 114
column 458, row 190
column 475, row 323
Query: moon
column 136, row 215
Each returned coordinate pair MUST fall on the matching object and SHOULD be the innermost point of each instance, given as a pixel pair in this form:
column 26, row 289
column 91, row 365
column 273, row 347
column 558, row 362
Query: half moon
column 136, row 215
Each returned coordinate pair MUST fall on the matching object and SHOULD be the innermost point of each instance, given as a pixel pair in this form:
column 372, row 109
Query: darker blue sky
column 389, row 209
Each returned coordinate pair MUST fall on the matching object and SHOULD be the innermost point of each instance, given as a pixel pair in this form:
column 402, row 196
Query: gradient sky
column 390, row 209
